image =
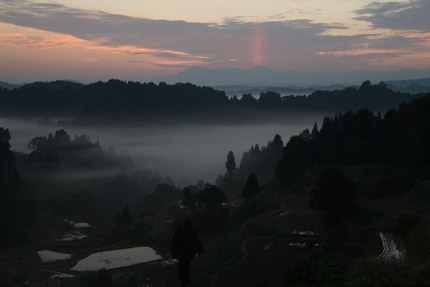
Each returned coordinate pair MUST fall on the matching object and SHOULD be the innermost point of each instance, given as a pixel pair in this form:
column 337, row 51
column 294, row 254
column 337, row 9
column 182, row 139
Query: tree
column 9, row 176
column 61, row 138
column 211, row 196
column 315, row 131
column 277, row 146
column 365, row 86
column 306, row 135
column 297, row 157
column 36, row 142
column 230, row 164
column 163, row 195
column 334, row 194
column 252, row 188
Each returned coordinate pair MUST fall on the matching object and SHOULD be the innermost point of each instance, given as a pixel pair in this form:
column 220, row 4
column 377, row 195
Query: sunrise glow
column 137, row 40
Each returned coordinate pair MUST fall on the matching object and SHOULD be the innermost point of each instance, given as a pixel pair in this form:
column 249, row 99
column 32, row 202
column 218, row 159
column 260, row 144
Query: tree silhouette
column 163, row 195
column 315, row 131
column 262, row 160
column 252, row 188
column 9, row 176
column 306, row 135
column 276, row 147
column 297, row 157
column 211, row 197
column 230, row 164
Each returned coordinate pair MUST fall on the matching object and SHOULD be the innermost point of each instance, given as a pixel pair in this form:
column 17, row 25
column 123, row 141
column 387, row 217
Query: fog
column 185, row 153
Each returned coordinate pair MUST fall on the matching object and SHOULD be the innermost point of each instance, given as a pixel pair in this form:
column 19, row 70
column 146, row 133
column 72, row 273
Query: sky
column 141, row 40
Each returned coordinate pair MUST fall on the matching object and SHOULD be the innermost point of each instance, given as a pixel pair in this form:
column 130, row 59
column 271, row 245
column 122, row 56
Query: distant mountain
column 405, row 83
column 263, row 76
column 9, row 86
column 410, row 86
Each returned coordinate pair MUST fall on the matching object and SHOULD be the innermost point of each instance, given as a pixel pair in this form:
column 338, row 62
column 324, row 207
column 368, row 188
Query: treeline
column 390, row 152
column 64, row 177
column 59, row 149
column 134, row 102
column 399, row 140
column 262, row 160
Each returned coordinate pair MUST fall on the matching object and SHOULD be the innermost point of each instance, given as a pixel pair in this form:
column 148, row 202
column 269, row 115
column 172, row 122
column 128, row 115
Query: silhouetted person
column 185, row 245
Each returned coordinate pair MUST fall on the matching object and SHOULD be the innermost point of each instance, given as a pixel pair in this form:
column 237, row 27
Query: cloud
column 300, row 44
column 411, row 15
column 177, row 41
column 107, row 31
column 362, row 52
column 40, row 43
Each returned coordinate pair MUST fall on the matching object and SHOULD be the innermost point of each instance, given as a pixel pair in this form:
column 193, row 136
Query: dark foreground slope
column 359, row 182
column 363, row 166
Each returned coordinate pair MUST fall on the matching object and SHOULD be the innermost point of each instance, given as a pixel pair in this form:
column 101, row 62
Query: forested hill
column 399, row 139
column 121, row 101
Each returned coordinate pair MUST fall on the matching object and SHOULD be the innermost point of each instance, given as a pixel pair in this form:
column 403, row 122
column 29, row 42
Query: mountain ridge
column 263, row 76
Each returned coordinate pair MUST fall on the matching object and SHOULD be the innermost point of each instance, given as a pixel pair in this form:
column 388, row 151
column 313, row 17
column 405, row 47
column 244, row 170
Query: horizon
column 203, row 76
column 144, row 41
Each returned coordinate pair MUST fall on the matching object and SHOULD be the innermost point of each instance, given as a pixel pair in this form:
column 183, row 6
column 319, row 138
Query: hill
column 119, row 102
column 9, row 86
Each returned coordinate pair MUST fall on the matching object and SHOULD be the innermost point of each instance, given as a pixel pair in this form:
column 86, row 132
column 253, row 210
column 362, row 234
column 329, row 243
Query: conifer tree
column 230, row 164
column 252, row 188
column 315, row 131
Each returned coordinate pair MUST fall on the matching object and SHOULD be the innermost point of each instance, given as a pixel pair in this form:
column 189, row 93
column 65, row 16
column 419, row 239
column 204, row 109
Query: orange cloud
column 417, row 35
column 33, row 42
column 31, row 38
column 34, row 39
column 167, row 62
column 360, row 52
column 137, row 50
